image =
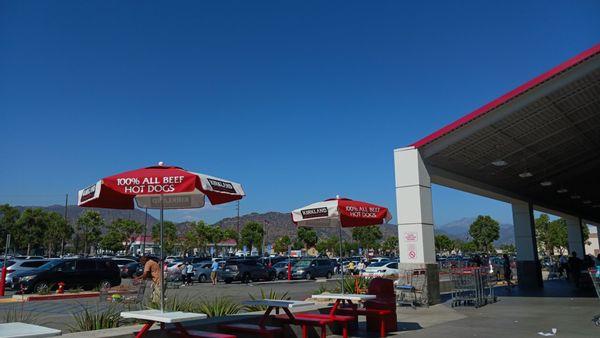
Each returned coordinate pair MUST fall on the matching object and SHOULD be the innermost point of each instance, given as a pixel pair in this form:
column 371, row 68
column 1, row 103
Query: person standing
column 214, row 272
column 507, row 270
column 151, row 270
column 189, row 274
column 351, row 267
column 575, row 268
column 562, row 266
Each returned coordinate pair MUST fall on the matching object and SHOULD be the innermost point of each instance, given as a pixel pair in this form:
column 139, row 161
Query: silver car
column 202, row 271
column 20, row 265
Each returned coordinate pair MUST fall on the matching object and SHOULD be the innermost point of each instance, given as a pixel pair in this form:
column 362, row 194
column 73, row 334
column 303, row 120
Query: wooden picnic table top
column 163, row 317
column 24, row 330
column 290, row 304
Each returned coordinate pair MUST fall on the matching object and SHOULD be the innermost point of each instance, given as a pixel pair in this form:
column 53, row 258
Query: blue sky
column 297, row 100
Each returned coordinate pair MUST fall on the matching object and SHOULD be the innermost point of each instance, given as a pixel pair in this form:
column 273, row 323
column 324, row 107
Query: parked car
column 174, row 271
column 246, row 270
column 121, row 262
column 81, row 272
column 378, row 260
column 281, row 269
column 131, row 269
column 381, row 269
column 20, row 265
column 29, row 257
column 202, row 271
column 309, row 268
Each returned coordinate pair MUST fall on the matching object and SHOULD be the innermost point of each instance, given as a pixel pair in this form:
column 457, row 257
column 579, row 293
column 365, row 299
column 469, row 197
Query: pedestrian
column 151, row 270
column 361, row 266
column 575, row 268
column 507, row 270
column 351, row 267
column 189, row 274
column 563, row 266
column 214, row 271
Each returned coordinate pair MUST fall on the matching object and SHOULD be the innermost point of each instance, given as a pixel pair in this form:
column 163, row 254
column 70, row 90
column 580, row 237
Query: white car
column 381, row 269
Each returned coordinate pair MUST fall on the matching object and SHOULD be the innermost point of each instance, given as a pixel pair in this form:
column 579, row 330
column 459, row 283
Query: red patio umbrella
column 341, row 213
column 159, row 187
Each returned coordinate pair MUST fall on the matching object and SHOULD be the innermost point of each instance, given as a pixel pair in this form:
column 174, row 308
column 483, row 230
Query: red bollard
column 289, row 271
column 3, row 278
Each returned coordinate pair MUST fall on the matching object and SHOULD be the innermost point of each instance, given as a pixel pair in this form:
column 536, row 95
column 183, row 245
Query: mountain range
column 278, row 224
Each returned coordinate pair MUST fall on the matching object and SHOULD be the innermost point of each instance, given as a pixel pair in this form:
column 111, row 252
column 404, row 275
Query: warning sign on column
column 412, row 251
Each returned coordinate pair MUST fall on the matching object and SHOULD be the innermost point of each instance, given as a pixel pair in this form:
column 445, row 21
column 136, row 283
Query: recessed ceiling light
column 525, row 174
column 546, row 183
column 575, row 197
column 562, row 191
column 587, row 202
column 499, row 163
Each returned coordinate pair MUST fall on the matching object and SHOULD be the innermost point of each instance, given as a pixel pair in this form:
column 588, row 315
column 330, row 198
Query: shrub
column 88, row 321
column 218, row 307
column 18, row 314
column 271, row 295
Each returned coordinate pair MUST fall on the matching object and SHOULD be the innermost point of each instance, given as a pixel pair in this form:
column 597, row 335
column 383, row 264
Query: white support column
column 413, row 204
column 529, row 270
column 575, row 236
column 415, row 216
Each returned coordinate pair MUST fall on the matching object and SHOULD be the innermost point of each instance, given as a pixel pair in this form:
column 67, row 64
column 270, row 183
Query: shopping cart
column 595, row 277
column 472, row 286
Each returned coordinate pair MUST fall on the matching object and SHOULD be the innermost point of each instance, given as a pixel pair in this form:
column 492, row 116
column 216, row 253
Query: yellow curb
column 9, row 300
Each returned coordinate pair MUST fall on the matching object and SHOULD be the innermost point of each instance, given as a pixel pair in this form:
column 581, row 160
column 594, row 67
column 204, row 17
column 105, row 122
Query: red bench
column 379, row 314
column 322, row 320
column 305, row 322
column 263, row 330
column 202, row 334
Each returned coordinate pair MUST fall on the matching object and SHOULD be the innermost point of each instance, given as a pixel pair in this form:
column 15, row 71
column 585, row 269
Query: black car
column 81, row 272
column 246, row 270
column 131, row 269
column 309, row 268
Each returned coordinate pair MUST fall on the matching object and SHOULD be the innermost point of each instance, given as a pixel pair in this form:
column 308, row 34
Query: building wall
column 592, row 246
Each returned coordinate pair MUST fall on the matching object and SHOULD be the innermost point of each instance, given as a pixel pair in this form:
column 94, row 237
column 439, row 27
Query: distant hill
column 459, row 229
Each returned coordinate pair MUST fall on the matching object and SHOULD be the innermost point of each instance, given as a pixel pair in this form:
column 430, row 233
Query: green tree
column 282, row 243
column 169, row 236
column 252, row 235
column 189, row 242
column 112, row 240
column 215, row 236
column 390, row 245
column 328, row 244
column 484, row 231
column 231, row 234
column 59, row 231
column 543, row 238
column 469, row 247
column 443, row 243
column 297, row 244
column 202, row 232
column 31, row 225
column 508, row 249
column 8, row 221
column 349, row 248
column 89, row 225
column 308, row 236
column 128, row 229
column 367, row 237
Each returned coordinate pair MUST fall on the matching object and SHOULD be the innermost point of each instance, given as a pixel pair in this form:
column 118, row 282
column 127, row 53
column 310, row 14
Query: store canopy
column 538, row 143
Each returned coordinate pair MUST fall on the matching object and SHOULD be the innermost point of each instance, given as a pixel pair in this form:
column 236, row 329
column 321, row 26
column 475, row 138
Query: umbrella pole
column 341, row 262
column 162, row 258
